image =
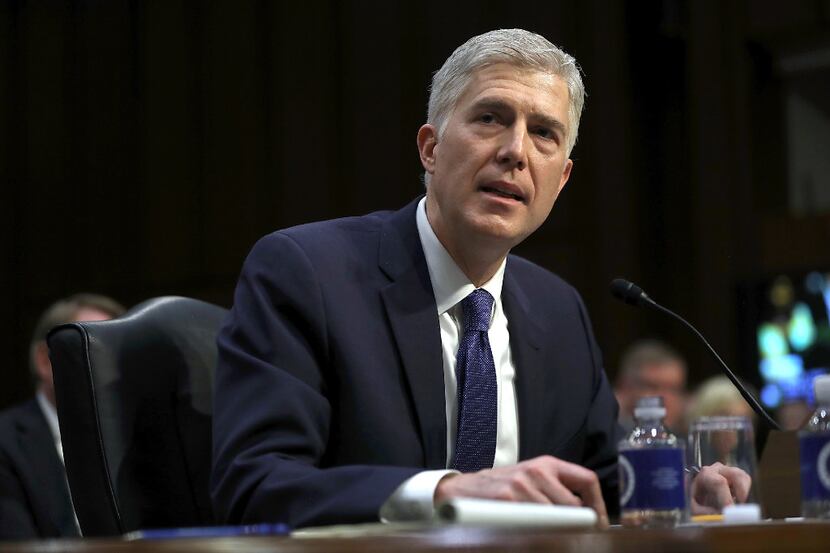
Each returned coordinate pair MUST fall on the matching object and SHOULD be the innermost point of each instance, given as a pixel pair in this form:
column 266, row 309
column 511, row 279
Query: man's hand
column 717, row 486
column 541, row 480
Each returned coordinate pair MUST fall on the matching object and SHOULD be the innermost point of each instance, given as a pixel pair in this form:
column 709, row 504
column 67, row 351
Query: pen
column 264, row 529
column 707, row 518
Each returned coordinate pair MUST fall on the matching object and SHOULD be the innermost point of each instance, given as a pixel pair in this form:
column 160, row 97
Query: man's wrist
column 414, row 499
column 442, row 488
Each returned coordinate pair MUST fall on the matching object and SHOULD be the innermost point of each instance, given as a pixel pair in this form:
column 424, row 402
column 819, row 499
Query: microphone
column 629, row 292
column 632, row 294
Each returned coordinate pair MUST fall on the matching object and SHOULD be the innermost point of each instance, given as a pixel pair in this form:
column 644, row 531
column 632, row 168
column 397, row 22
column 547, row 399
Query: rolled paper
column 486, row 512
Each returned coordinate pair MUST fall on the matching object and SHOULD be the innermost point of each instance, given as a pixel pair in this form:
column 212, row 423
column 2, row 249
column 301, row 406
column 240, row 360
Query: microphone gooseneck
column 632, row 294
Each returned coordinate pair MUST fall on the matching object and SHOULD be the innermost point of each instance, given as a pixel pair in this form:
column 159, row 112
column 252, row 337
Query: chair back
column 134, row 401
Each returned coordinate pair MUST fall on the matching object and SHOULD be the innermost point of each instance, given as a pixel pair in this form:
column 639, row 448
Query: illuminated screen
column 790, row 333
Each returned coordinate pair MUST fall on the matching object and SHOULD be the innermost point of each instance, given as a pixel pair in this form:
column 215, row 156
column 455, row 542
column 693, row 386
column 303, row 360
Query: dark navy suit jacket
column 329, row 385
column 34, row 497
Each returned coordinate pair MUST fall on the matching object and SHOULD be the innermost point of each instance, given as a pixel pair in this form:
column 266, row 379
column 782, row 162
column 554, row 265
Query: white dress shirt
column 414, row 498
column 51, row 416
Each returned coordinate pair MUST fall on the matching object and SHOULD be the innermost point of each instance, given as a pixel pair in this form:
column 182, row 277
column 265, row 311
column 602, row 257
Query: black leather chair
column 134, row 400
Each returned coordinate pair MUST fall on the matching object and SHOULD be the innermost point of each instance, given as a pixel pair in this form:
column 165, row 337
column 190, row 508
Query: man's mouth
column 503, row 192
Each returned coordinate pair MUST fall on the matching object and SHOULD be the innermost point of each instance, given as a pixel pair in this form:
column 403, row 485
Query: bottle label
column 652, row 479
column 815, row 466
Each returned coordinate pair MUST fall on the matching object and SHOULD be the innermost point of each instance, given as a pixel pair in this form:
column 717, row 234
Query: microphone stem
column 744, row 392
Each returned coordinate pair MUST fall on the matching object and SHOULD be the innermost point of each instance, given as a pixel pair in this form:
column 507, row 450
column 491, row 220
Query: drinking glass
column 726, row 440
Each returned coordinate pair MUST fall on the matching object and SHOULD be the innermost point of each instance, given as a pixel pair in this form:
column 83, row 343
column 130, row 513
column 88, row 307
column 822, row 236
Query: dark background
column 144, row 146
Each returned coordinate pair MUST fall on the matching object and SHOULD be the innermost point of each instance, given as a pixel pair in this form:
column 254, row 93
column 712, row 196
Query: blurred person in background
column 34, row 495
column 652, row 368
column 718, row 397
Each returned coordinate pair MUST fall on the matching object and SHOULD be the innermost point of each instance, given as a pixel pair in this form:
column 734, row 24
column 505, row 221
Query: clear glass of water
column 726, row 440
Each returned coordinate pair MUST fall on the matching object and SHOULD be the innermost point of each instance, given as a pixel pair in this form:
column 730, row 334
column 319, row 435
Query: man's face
column 667, row 380
column 43, row 365
column 501, row 162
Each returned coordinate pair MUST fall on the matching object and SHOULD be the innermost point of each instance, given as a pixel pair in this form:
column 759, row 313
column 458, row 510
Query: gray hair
column 648, row 352
column 517, row 47
column 64, row 311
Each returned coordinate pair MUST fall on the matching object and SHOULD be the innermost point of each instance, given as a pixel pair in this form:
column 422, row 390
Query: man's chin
column 500, row 233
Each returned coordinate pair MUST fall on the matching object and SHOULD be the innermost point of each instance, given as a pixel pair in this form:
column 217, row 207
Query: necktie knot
column 476, row 310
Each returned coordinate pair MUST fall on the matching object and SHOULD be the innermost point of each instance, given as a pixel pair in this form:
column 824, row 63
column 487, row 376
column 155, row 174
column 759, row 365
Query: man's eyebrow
column 497, row 104
column 494, row 104
column 550, row 122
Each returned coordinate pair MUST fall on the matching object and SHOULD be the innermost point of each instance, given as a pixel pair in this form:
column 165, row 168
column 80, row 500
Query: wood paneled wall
column 145, row 145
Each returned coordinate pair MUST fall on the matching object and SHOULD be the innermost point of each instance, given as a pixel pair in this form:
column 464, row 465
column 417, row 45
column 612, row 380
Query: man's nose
column 513, row 150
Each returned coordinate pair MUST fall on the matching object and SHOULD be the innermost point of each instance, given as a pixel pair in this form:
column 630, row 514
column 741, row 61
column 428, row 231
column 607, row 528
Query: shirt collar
column 449, row 283
column 50, row 414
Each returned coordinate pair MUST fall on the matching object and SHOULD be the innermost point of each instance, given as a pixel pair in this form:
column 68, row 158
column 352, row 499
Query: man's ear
column 427, row 140
column 566, row 174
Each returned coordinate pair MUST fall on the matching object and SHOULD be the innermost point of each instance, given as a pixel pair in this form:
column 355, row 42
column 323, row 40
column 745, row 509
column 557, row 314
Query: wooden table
column 792, row 537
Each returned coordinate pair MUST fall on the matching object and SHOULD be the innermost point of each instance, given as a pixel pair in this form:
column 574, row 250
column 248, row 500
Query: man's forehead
column 662, row 370
column 89, row 313
column 540, row 91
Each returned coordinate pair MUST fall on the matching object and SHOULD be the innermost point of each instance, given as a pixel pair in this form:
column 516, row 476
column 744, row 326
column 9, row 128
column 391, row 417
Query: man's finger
column 524, row 487
column 739, row 482
column 556, row 492
column 712, row 489
column 585, row 483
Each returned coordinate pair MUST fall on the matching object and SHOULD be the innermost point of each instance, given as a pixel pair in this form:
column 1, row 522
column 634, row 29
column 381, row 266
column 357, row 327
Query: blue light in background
column 783, row 367
column 802, row 328
column 771, row 341
column 771, row 395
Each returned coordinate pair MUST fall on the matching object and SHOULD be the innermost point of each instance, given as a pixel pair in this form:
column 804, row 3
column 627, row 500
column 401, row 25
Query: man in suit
column 34, row 497
column 341, row 387
column 652, row 368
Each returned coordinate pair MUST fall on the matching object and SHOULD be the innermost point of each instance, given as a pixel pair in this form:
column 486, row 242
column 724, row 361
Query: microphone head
column 627, row 291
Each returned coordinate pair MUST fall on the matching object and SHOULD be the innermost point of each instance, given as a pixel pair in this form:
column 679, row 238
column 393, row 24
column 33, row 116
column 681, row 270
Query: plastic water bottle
column 652, row 478
column 814, row 447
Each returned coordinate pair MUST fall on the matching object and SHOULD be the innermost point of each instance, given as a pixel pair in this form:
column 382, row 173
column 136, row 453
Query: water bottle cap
column 650, row 401
column 649, row 412
column 821, row 385
column 650, row 407
column 742, row 513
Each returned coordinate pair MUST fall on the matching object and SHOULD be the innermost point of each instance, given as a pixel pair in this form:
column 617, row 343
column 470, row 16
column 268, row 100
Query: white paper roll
column 485, row 512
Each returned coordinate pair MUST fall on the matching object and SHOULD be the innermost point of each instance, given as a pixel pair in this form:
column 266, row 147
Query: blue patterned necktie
column 475, row 442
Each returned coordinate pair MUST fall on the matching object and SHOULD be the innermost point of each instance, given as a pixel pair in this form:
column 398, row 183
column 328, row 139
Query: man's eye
column 544, row 132
column 487, row 118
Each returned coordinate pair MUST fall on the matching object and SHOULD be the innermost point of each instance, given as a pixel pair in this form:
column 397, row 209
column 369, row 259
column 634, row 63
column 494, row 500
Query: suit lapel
column 525, row 345
column 38, row 448
column 410, row 306
column 544, row 370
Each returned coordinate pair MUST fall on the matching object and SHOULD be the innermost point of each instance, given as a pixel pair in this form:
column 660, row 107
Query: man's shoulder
column 528, row 272
column 19, row 410
column 343, row 236
column 20, row 413
column 329, row 238
column 540, row 289
column 370, row 222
